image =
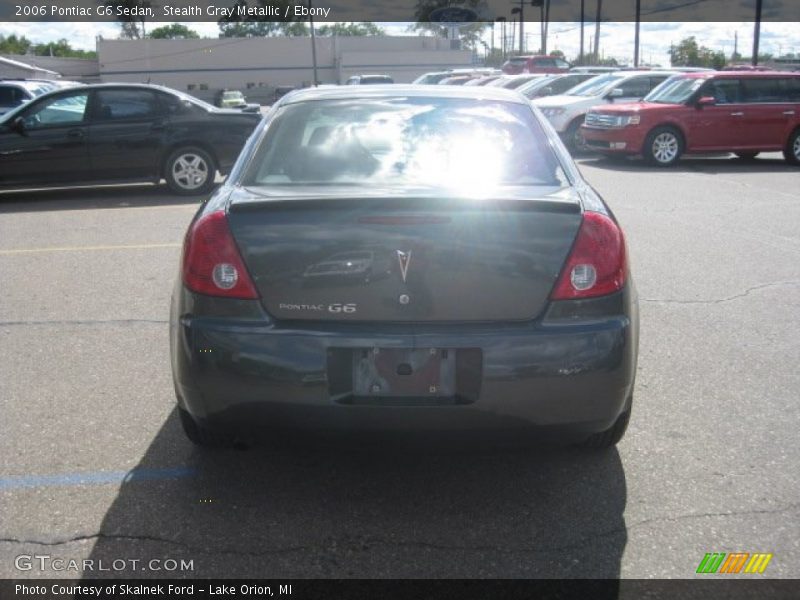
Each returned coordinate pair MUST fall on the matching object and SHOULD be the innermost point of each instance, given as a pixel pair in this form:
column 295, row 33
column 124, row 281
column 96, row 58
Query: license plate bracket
column 404, row 372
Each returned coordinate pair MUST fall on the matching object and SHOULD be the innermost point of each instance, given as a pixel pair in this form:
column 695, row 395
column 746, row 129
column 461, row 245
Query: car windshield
column 675, row 90
column 426, row 142
column 595, row 86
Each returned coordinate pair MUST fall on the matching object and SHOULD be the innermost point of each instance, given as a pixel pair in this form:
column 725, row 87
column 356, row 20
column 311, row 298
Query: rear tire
column 663, row 147
column 792, row 150
column 746, row 155
column 190, row 171
column 610, row 437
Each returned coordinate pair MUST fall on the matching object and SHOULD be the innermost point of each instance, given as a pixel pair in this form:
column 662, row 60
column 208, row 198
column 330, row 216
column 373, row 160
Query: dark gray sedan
column 404, row 258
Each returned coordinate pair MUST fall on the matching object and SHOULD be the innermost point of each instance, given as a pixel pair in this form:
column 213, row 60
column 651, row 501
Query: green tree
column 175, row 31
column 131, row 27
column 14, row 44
column 62, row 48
column 251, row 26
column 689, row 54
column 349, row 29
column 557, row 53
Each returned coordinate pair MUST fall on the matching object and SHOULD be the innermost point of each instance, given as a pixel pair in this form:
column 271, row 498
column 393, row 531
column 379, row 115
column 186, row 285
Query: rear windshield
column 439, row 142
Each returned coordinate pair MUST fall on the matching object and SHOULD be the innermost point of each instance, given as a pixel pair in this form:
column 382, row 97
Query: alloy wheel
column 190, row 171
column 665, row 147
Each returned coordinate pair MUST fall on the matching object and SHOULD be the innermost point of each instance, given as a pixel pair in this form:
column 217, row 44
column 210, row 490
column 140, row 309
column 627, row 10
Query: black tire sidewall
column 647, row 151
column 788, row 152
column 572, row 129
column 175, row 186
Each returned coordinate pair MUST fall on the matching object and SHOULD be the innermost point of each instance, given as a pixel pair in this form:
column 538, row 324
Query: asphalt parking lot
column 710, row 463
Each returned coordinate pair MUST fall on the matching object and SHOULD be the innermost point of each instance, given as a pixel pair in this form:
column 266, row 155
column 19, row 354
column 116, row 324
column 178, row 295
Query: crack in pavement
column 721, row 300
column 365, row 542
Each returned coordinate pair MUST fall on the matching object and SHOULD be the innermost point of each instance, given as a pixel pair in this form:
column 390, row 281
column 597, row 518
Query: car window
column 439, row 142
column 544, row 62
column 790, row 89
column 562, row 64
column 115, row 105
column 10, row 96
column 762, row 90
column 596, row 85
column 635, row 88
column 724, row 91
column 657, row 81
column 54, row 112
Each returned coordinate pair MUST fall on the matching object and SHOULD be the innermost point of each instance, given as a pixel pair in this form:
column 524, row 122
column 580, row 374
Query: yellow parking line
column 86, row 248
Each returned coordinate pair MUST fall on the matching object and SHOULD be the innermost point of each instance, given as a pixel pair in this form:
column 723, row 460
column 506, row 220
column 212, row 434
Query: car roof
column 403, row 90
column 729, row 74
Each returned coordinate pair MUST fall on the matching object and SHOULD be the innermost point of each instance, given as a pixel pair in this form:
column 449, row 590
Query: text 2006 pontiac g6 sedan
column 399, row 258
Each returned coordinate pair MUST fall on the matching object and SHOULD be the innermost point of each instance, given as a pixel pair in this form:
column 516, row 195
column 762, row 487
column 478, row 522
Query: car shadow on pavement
column 117, row 196
column 304, row 509
column 717, row 165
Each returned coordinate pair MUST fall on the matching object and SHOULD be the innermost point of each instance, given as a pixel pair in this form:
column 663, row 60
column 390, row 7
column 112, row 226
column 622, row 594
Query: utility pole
column 597, row 30
column 583, row 12
column 735, row 43
column 636, row 36
column 521, row 11
column 313, row 43
column 756, row 32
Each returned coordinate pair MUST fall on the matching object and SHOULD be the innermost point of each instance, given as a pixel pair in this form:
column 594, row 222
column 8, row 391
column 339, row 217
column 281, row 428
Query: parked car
column 535, row 64
column 16, row 92
column 435, row 77
column 459, row 275
column 458, row 79
column 481, row 81
column 741, row 112
column 594, row 70
column 368, row 80
column 551, row 85
column 121, row 132
column 512, row 82
column 567, row 111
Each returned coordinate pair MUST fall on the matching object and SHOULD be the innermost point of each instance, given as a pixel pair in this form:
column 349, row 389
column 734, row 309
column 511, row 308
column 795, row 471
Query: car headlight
column 630, row 120
column 552, row 111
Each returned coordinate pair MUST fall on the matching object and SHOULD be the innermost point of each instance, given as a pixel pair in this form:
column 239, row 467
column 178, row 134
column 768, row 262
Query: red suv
column 535, row 64
column 741, row 112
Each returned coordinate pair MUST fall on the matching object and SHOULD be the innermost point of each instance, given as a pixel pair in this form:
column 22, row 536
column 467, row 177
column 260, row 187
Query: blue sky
column 616, row 38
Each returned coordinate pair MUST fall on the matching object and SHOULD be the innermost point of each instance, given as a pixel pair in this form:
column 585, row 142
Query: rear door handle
column 75, row 133
column 737, row 114
column 788, row 113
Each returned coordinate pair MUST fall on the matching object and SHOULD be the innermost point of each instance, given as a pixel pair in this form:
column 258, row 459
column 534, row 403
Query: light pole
column 313, row 43
column 518, row 11
column 756, row 33
column 502, row 21
column 583, row 15
column 636, row 37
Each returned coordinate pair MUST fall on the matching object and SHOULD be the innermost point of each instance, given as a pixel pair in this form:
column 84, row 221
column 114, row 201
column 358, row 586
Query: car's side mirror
column 18, row 125
column 615, row 93
column 706, row 101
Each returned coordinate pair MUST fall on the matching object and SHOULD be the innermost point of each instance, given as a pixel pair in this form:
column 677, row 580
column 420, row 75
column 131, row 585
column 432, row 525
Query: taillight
column 212, row 264
column 596, row 264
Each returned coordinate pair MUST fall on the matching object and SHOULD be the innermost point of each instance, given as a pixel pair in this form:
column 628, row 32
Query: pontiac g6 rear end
column 399, row 258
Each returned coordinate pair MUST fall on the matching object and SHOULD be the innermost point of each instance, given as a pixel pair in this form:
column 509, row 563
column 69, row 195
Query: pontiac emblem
column 404, row 258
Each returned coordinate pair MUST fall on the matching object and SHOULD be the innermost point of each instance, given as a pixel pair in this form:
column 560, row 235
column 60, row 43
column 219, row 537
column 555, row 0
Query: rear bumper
column 623, row 140
column 245, row 376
